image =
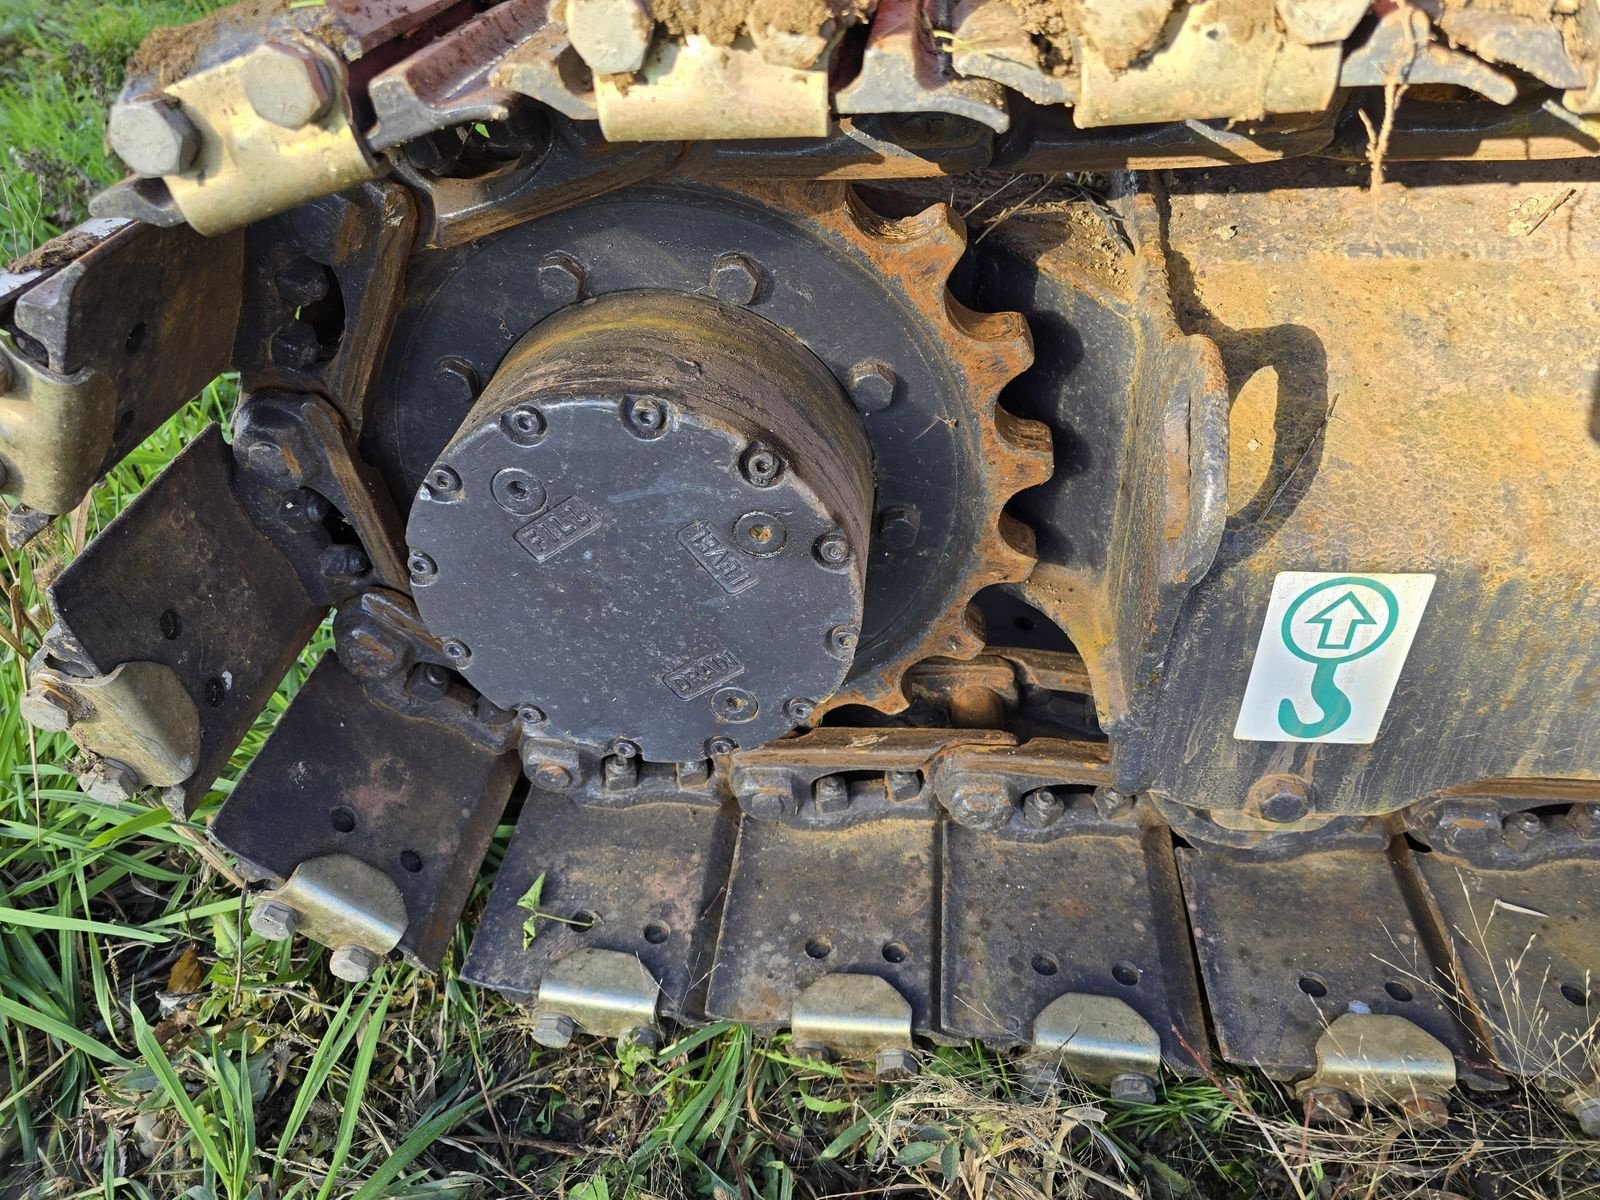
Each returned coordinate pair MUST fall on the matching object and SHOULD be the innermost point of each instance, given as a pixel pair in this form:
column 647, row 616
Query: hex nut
column 611, row 36
column 303, row 281
column 353, row 964
column 872, row 386
column 1042, row 808
column 110, row 781
column 153, row 137
column 344, row 561
column 1109, row 802
column 768, row 804
column 296, row 346
column 1521, row 830
column 831, row 794
column 1132, row 1087
column 287, row 85
column 619, row 774
column 1325, row 1105
column 47, row 709
column 981, row 804
column 641, row 1037
column 1426, row 1109
column 1586, row 1111
column 788, row 48
column 274, row 920
column 903, row 785
column 561, row 278
column 694, row 773
column 554, row 1029
column 1280, row 798
column 1584, row 821
column 898, row 526
column 895, row 1062
column 735, row 279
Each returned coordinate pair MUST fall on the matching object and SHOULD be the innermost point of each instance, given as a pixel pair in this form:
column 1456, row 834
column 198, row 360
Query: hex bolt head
column 1521, row 830
column 640, row 1037
column 287, row 85
column 1586, row 1110
column 895, row 1062
column 47, row 708
column 735, row 279
column 344, row 562
column 980, row 804
column 554, row 1029
column 761, row 465
column 768, row 804
column 832, row 549
column 110, row 781
column 872, row 386
column 303, row 281
column 798, row 709
column 1280, row 798
column 814, row 1052
column 1109, row 802
column 274, row 920
column 353, row 964
column 553, row 776
column 1584, row 821
column 1042, row 808
column 422, row 568
column 561, row 278
column 1325, row 1105
column 841, row 641
column 153, row 137
column 1132, row 1087
column 695, row 773
column 295, row 347
column 898, row 526
column 611, row 36
column 1426, row 1109
column 367, row 651
column 903, row 785
column 831, row 794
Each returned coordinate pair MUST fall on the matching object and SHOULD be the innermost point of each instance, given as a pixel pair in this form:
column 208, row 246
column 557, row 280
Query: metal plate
column 651, row 877
column 803, row 905
column 183, row 578
column 1524, row 947
column 1272, row 934
column 1024, row 923
column 342, row 774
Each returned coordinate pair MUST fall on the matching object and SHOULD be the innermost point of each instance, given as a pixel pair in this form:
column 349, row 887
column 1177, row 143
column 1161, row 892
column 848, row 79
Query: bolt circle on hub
column 606, row 560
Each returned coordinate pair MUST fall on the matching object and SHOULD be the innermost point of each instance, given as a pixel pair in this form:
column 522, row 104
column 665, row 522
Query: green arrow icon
column 1339, row 621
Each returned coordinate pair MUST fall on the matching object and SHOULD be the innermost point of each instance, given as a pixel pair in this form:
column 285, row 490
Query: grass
column 153, row 1047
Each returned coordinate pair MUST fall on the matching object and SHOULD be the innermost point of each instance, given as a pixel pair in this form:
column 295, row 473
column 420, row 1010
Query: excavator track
column 943, row 525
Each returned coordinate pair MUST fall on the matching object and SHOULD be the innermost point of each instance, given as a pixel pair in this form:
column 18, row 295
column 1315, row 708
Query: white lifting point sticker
column 1331, row 651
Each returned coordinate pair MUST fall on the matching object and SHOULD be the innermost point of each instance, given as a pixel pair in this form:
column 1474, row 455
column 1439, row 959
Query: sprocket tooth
column 1030, row 456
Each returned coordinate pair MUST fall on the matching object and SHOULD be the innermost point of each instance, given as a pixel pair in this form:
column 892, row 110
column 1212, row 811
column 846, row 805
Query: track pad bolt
column 735, row 279
column 611, row 36
column 274, row 920
column 153, row 137
column 1109, row 802
column 1425, row 1109
column 1521, row 830
column 1584, row 820
column 561, row 278
column 831, row 794
column 110, row 781
column 1586, row 1109
column 898, row 526
column 554, row 1030
column 287, row 85
column 980, row 804
column 1042, row 808
column 1280, row 798
column 353, row 964
column 47, row 708
column 619, row 774
column 872, row 386
column 1132, row 1087
column 903, row 785
column 1325, row 1105
column 896, row 1063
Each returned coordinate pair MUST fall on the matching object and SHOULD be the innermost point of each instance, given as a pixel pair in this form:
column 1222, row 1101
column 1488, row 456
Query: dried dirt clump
column 722, row 21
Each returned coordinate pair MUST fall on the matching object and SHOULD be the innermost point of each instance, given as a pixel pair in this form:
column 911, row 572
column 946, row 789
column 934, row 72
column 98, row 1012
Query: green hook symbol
column 1325, row 694
column 1332, row 649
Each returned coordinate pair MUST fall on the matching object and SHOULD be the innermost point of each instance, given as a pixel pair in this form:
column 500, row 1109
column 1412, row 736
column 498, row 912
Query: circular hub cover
column 652, row 526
